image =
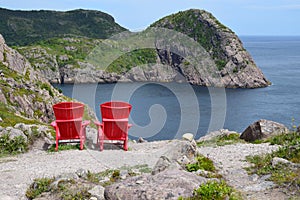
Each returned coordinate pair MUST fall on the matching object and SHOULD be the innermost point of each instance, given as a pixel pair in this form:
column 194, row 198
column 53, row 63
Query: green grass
column 12, row 146
column 38, row 187
column 214, row 190
column 9, row 118
column 65, row 147
column 281, row 174
column 132, row 59
column 202, row 163
column 222, row 140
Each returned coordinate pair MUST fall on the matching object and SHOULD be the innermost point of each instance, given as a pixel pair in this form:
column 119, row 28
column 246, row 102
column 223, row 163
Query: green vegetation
column 77, row 189
column 64, row 51
column 9, row 118
column 133, row 59
column 222, row 140
column 38, row 187
column 47, row 87
column 202, row 163
column 282, row 174
column 214, row 190
column 13, row 146
column 27, row 27
column 64, row 147
column 66, row 190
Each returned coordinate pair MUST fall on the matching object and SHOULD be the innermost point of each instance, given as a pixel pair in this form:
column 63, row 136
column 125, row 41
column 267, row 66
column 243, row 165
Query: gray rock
column 82, row 173
column 263, row 129
column 63, row 178
column 179, row 154
column 98, row 192
column 16, row 133
column 170, row 184
column 141, row 140
column 188, row 136
column 279, row 161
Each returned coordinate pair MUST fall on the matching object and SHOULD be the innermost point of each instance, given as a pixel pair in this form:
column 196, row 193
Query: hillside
column 26, row 27
column 190, row 46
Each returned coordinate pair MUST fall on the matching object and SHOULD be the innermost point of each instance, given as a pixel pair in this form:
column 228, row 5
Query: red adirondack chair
column 114, row 126
column 68, row 125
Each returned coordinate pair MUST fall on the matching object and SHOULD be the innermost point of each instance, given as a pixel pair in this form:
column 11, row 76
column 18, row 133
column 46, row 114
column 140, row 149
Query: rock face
column 170, row 184
column 23, row 90
column 263, row 129
column 234, row 64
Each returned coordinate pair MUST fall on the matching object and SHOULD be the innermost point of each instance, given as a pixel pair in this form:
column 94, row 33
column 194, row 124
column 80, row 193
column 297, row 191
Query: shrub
column 38, row 187
column 214, row 190
column 202, row 163
column 12, row 146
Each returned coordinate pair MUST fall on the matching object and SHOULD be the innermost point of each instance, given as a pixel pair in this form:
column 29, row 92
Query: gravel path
column 231, row 161
column 18, row 172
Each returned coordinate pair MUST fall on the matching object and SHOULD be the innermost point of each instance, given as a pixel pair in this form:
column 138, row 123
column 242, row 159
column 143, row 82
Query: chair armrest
column 97, row 123
column 85, row 123
column 54, row 124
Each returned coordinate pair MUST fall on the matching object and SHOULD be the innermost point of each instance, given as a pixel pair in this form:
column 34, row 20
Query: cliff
column 190, row 46
column 233, row 64
column 24, row 94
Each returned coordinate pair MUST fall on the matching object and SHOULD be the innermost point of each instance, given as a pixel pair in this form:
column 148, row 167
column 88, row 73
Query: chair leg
column 125, row 145
column 56, row 146
column 101, row 143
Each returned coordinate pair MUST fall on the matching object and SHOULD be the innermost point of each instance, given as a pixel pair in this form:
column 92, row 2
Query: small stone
column 188, row 137
column 123, row 174
column 254, row 177
column 139, row 182
column 81, row 173
column 276, row 161
column 97, row 192
column 141, row 140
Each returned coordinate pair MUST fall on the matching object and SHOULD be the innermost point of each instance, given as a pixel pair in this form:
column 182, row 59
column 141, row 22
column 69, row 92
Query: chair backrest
column 69, row 129
column 115, row 129
column 68, row 110
column 115, row 110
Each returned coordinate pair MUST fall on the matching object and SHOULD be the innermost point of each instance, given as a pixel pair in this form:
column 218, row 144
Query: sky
column 244, row 17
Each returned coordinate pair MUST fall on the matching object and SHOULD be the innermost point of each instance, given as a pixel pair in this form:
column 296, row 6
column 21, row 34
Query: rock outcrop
column 263, row 129
column 24, row 91
column 234, row 65
column 170, row 184
column 168, row 179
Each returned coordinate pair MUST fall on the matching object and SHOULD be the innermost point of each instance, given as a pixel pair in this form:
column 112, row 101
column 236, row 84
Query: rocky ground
column 18, row 172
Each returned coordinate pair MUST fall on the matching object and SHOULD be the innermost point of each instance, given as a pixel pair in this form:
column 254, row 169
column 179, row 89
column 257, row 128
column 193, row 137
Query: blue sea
column 167, row 110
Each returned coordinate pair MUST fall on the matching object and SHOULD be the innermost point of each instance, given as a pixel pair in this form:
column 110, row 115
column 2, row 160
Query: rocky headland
column 198, row 49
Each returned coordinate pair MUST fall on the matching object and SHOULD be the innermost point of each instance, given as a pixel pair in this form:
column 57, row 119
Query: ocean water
column 168, row 110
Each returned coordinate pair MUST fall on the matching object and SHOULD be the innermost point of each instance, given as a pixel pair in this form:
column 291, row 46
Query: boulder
column 188, row 136
column 97, row 192
column 178, row 154
column 170, row 184
column 263, row 129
